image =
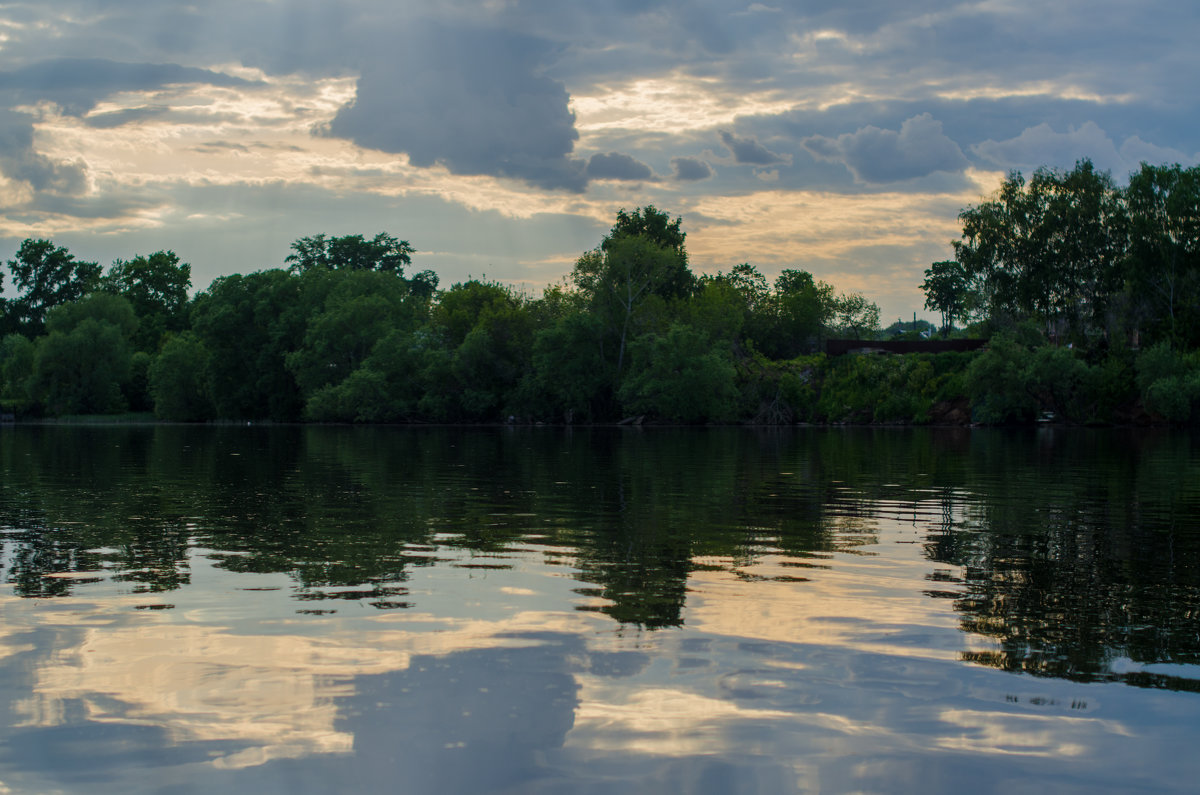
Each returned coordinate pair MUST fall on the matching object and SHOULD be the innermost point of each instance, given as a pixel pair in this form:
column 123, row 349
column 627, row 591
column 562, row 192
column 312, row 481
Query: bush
column 997, row 382
column 1169, row 382
column 889, row 388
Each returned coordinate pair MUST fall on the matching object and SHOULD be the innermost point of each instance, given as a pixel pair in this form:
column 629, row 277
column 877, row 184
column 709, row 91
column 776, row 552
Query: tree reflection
column 1085, row 553
column 1072, row 550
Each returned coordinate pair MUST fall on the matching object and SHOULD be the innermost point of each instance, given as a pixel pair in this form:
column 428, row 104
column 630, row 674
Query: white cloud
column 875, row 155
column 1041, row 145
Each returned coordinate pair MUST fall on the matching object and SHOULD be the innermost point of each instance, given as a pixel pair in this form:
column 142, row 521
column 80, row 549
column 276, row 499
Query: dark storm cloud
column 875, row 155
column 77, row 84
column 748, row 151
column 475, row 101
column 615, row 165
column 690, row 169
column 19, row 161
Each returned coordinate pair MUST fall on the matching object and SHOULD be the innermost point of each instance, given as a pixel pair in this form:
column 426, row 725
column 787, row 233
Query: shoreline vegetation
column 1084, row 296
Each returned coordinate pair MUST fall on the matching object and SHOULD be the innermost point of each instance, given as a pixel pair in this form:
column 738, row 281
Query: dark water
column 314, row 610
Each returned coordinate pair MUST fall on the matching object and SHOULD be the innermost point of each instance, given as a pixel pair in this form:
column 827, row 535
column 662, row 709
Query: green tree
column 112, row 309
column 248, row 324
column 382, row 253
column 1169, row 382
column 727, row 305
column 157, row 287
column 358, row 309
column 492, row 359
column 82, row 371
column 85, row 363
column 998, row 381
column 1050, row 249
column 16, row 370
column 46, row 276
column 458, row 309
column 178, row 380
column 619, row 277
column 1163, row 269
column 485, row 331
column 649, row 223
column 946, row 288
column 570, row 379
column 680, row 376
column 795, row 316
column 855, row 316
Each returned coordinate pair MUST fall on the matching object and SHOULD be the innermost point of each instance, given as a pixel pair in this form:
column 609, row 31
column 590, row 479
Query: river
column 427, row 610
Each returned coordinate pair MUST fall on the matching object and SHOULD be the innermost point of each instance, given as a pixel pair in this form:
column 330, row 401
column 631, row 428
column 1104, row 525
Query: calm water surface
column 314, row 610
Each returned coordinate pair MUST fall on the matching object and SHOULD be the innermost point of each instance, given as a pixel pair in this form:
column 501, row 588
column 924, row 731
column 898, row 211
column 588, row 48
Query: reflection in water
column 442, row 610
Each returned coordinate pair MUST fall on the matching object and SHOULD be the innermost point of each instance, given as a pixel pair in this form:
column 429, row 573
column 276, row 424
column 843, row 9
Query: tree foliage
column 179, row 383
column 157, row 288
column 947, row 291
column 45, row 276
column 382, row 253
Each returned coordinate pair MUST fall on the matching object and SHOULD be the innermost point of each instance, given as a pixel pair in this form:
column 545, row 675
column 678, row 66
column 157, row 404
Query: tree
column 854, row 315
column 802, row 308
column 157, row 287
column 352, row 252
column 1163, row 269
column 248, row 324
column 651, row 224
column 570, row 376
column 16, row 369
column 625, row 271
column 82, row 371
column 1048, row 249
column 112, row 309
column 358, row 310
column 681, row 377
column 46, row 276
column 178, row 382
column 83, row 364
column 946, row 291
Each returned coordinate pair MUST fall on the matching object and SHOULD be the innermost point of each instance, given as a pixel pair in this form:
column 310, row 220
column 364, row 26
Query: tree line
column 342, row 331
column 1089, row 293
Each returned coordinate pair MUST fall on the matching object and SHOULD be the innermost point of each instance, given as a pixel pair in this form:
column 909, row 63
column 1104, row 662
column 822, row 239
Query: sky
column 499, row 138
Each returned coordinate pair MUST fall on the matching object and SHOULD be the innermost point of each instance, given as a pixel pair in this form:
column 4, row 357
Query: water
column 295, row 610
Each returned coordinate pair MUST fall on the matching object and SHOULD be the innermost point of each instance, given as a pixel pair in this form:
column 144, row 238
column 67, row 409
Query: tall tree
column 620, row 275
column 853, row 314
column 1049, row 249
column 946, row 290
column 46, row 276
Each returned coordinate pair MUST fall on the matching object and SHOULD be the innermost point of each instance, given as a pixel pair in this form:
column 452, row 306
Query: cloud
column 690, row 169
column 1041, row 146
column 77, row 84
column 875, row 155
column 749, row 151
column 19, row 161
column 473, row 100
column 615, row 165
